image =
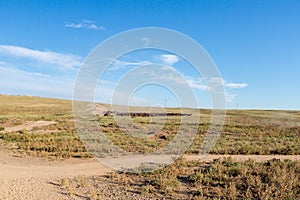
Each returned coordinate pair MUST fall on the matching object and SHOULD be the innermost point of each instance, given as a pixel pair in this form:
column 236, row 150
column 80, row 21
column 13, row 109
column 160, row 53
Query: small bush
column 2, row 128
column 220, row 179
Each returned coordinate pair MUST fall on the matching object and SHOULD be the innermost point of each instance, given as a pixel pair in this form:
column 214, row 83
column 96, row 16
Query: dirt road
column 30, row 178
column 34, row 178
column 29, row 126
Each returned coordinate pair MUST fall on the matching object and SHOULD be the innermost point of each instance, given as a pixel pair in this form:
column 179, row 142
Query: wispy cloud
column 63, row 61
column 215, row 84
column 15, row 81
column 121, row 64
column 169, row 59
column 196, row 83
column 171, row 74
column 236, row 85
column 85, row 24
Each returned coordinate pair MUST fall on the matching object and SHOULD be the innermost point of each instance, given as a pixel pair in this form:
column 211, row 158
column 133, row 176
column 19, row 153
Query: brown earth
column 29, row 126
column 35, row 178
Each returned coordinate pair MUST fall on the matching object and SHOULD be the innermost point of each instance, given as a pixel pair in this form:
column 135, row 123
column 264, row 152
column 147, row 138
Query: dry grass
column 53, row 146
column 220, row 179
column 54, row 141
column 245, row 132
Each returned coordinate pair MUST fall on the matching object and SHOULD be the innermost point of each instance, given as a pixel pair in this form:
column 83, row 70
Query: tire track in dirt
column 29, row 126
column 35, row 178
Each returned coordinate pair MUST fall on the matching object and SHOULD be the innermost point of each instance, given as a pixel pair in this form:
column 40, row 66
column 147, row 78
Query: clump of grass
column 219, row 179
column 2, row 128
column 54, row 145
column 273, row 179
column 78, row 185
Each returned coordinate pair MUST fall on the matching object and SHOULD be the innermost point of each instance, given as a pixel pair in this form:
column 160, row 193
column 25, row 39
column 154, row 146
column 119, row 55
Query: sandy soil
column 34, row 178
column 29, row 126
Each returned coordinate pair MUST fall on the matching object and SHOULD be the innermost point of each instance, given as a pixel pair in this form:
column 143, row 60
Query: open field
column 42, row 155
column 215, row 177
column 244, row 132
column 218, row 179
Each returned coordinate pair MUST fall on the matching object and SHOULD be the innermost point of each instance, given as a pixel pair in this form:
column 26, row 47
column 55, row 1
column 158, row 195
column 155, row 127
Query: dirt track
column 30, row 178
column 34, row 178
column 29, row 126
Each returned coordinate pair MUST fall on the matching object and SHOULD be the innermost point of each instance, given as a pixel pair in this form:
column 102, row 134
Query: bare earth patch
column 29, row 126
column 35, row 178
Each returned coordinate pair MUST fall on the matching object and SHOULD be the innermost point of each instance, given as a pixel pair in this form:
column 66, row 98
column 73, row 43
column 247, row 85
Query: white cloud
column 41, row 75
column 196, row 83
column 214, row 84
column 169, row 59
column 120, row 64
column 85, row 24
column 15, row 81
column 63, row 61
column 171, row 74
column 125, row 63
column 236, row 85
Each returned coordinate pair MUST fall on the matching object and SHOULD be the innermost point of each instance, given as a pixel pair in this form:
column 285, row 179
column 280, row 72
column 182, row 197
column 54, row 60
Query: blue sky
column 255, row 44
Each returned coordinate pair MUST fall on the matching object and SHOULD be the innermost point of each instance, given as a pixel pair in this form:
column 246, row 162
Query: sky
column 254, row 44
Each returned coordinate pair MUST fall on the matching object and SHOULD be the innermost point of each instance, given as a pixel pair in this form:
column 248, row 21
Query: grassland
column 54, row 141
column 244, row 132
column 220, row 179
